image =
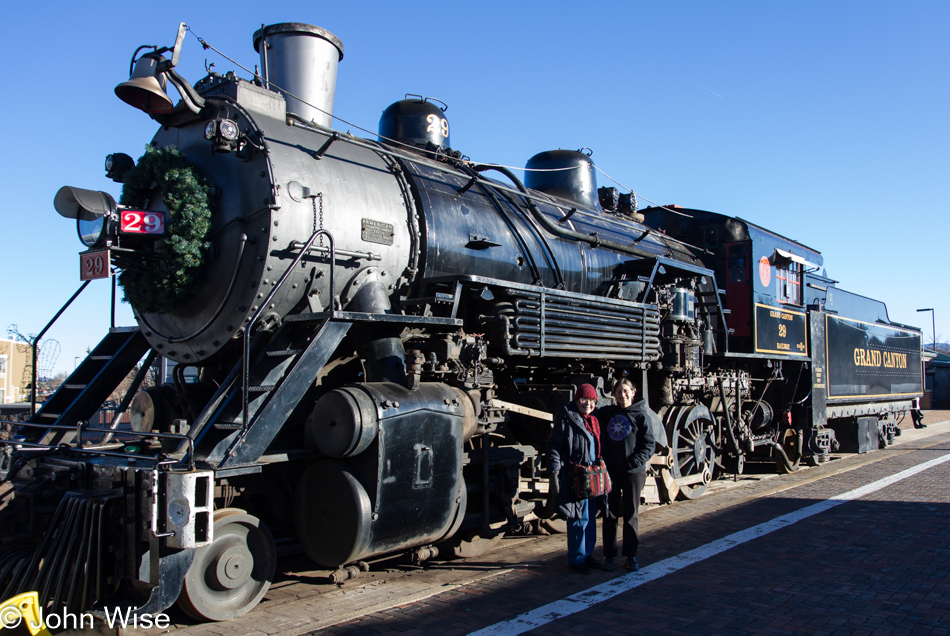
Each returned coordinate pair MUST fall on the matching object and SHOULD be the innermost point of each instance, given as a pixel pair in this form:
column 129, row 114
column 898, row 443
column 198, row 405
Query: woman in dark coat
column 628, row 442
column 575, row 440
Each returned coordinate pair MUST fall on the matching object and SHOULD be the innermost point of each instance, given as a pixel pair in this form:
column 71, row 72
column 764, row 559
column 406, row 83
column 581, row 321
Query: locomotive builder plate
column 378, row 232
column 780, row 330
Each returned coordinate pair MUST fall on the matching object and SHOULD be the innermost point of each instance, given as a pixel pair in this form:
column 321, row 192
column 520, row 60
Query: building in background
column 936, row 381
column 15, row 366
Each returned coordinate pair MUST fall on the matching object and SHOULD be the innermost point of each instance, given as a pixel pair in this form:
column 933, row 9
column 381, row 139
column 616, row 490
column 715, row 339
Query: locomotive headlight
column 92, row 210
column 117, row 164
column 223, row 134
column 90, row 232
column 229, row 130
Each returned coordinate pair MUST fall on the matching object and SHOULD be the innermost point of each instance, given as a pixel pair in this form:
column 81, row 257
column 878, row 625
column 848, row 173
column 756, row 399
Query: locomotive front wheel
column 691, row 446
column 230, row 575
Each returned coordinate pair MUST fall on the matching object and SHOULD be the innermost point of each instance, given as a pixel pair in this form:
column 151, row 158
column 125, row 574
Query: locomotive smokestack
column 300, row 62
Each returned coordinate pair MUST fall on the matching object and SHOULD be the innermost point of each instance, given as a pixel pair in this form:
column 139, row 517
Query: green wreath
column 186, row 197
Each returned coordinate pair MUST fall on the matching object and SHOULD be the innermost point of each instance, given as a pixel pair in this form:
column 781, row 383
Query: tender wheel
column 230, row 575
column 690, row 430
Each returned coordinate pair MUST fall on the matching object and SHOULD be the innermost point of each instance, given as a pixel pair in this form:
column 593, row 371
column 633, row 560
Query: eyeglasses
column 587, row 401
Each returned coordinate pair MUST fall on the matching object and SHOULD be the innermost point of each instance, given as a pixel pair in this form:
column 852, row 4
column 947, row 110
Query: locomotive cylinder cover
column 300, row 62
column 343, row 423
column 404, row 489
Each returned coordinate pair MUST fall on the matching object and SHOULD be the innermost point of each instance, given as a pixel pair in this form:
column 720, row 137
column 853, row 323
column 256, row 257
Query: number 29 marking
column 93, row 265
column 142, row 222
column 438, row 124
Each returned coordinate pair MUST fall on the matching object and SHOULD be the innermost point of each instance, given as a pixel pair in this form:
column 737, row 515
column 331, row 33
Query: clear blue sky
column 828, row 122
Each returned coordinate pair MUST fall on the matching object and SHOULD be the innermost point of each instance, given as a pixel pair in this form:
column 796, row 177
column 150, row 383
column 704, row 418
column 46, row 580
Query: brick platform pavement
column 878, row 565
column 874, row 566
column 459, row 596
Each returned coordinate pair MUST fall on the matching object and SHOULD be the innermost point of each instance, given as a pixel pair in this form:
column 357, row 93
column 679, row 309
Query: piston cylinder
column 393, row 479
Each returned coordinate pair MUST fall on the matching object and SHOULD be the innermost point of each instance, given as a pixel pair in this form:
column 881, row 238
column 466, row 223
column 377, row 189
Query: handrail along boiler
column 381, row 331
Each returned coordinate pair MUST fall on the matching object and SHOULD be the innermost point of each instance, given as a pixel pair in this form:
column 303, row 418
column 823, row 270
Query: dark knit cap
column 586, row 391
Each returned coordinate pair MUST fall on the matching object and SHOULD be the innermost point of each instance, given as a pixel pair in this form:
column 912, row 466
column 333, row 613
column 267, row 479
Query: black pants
column 625, row 492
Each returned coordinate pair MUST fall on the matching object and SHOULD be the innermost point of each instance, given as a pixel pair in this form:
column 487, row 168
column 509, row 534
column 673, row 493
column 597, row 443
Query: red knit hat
column 585, row 391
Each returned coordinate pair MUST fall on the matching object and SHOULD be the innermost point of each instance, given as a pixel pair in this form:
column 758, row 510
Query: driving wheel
column 690, row 430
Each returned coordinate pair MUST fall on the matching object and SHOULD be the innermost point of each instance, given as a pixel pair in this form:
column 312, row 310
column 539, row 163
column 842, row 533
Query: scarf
column 593, row 427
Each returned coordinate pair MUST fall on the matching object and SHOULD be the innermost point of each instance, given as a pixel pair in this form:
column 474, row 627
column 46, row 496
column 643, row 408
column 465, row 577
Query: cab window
column 789, row 277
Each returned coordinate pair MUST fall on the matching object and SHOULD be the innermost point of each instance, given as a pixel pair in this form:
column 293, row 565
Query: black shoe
column 920, row 426
column 631, row 564
column 608, row 565
column 592, row 563
column 580, row 568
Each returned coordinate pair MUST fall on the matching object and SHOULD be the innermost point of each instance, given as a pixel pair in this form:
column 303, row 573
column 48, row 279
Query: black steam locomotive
column 371, row 335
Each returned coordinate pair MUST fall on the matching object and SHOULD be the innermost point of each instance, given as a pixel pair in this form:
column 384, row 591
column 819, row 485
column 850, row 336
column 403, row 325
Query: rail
column 80, row 428
column 36, row 341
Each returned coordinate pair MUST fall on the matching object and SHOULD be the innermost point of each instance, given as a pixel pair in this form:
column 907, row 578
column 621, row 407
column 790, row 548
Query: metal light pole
column 933, row 321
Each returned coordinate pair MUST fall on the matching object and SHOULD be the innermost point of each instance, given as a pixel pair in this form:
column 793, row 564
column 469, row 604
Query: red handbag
column 591, row 480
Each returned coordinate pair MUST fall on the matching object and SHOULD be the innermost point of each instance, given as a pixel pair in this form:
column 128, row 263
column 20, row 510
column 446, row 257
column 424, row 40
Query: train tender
column 379, row 333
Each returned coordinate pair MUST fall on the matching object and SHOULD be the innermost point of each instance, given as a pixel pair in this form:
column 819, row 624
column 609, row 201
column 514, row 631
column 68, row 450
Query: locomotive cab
column 761, row 272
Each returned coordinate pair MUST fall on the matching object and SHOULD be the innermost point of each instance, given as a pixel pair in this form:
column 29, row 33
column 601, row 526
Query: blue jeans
column 582, row 533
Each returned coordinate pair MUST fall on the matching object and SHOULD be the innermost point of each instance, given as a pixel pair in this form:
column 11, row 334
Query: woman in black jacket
column 575, row 440
column 628, row 440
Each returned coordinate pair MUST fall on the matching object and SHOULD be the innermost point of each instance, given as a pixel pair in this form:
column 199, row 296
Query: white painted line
column 605, row 591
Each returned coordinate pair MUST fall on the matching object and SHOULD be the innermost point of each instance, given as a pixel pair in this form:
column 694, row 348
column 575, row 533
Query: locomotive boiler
column 378, row 331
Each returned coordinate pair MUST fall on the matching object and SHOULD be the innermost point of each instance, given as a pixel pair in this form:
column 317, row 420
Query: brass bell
column 145, row 89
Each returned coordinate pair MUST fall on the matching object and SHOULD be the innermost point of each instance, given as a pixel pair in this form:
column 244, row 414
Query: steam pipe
column 553, row 228
column 725, row 409
column 784, row 457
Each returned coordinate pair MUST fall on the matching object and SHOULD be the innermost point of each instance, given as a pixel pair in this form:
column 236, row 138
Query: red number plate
column 142, row 222
column 94, row 264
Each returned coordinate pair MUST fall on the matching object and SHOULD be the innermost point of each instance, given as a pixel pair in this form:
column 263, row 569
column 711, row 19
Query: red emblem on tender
column 765, row 271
